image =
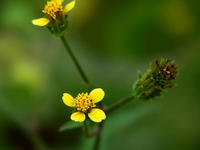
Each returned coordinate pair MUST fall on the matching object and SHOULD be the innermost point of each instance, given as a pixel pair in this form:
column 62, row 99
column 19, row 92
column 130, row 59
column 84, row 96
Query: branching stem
column 108, row 109
column 119, row 104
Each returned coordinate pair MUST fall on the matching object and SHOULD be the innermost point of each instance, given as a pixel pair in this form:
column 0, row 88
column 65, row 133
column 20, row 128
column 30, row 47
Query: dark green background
column 112, row 40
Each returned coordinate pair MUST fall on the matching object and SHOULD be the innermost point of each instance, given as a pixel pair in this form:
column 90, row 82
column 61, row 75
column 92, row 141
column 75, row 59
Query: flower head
column 159, row 76
column 55, row 16
column 84, row 103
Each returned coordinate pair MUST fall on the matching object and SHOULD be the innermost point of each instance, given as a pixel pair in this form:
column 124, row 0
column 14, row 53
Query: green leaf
column 70, row 125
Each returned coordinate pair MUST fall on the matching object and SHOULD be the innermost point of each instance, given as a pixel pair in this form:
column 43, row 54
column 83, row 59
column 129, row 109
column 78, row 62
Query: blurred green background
column 112, row 40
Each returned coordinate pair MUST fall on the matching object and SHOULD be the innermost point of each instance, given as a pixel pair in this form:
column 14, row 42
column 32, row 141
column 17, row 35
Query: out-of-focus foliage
column 112, row 39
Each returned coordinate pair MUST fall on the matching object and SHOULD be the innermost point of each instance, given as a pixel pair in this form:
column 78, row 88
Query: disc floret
column 52, row 9
column 83, row 102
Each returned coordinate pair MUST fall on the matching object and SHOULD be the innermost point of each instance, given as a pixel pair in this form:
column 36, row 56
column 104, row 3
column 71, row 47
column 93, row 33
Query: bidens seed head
column 161, row 75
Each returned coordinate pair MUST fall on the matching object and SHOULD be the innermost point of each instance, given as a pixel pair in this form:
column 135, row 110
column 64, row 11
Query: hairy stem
column 77, row 64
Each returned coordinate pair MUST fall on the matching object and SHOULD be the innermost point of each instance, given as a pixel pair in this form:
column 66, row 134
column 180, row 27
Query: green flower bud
column 160, row 76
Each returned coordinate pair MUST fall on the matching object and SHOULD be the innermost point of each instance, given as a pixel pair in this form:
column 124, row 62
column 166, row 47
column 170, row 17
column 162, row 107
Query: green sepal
column 59, row 27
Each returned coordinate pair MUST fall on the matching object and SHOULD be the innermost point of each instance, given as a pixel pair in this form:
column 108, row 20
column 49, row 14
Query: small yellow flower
column 84, row 103
column 54, row 12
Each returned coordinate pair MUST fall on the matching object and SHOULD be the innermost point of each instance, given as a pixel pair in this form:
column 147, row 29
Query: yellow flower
column 54, row 12
column 84, row 103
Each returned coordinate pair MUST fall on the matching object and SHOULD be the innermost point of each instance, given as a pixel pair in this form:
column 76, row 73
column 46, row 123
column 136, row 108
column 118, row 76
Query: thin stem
column 86, row 129
column 38, row 141
column 119, row 104
column 77, row 64
column 98, row 137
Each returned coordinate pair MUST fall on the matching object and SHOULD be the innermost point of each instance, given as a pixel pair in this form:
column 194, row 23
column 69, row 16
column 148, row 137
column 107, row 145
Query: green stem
column 86, row 129
column 37, row 141
column 98, row 137
column 119, row 104
column 109, row 109
column 77, row 64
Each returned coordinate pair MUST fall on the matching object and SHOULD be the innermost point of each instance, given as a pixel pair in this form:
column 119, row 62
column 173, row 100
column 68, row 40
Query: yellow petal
column 41, row 22
column 97, row 115
column 78, row 116
column 68, row 100
column 68, row 7
column 97, row 95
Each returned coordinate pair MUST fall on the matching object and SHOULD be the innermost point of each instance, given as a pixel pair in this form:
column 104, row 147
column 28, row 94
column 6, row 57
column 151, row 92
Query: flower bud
column 160, row 76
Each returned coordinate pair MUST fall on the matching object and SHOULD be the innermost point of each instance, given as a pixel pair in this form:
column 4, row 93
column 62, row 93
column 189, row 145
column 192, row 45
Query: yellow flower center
column 53, row 8
column 83, row 102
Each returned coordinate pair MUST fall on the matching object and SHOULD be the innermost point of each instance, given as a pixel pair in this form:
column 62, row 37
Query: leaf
column 70, row 125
